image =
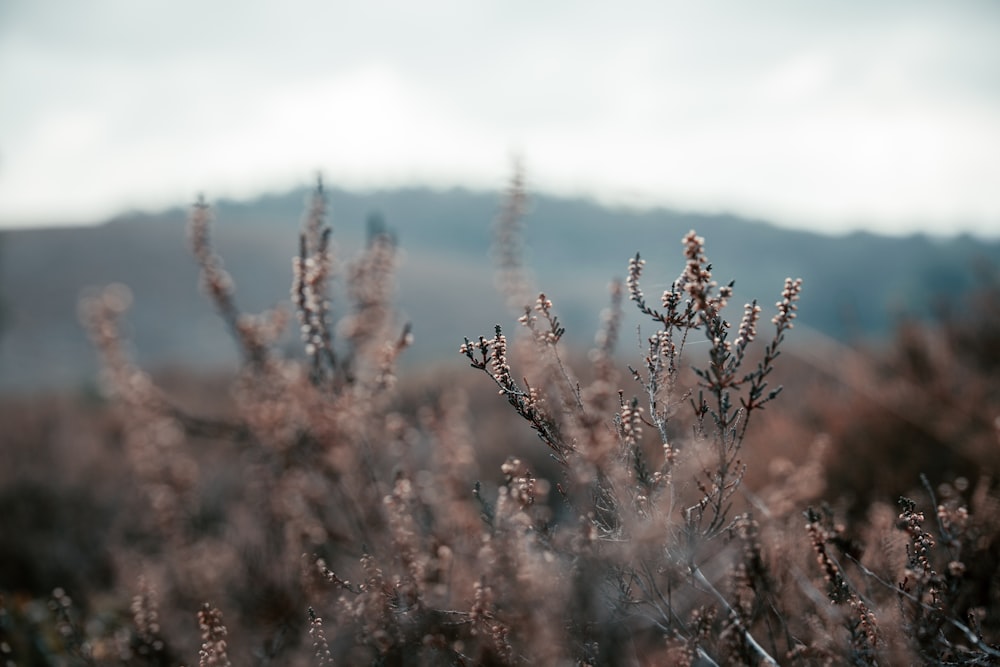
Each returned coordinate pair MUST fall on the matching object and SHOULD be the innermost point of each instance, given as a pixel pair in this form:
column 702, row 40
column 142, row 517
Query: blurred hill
column 855, row 285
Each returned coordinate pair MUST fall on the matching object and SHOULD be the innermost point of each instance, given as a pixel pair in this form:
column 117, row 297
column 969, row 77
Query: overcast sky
column 830, row 115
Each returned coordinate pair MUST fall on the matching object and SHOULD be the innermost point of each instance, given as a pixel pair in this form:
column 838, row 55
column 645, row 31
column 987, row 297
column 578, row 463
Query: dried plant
column 337, row 520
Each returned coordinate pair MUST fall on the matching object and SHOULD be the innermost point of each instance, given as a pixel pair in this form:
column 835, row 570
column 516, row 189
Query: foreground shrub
column 328, row 521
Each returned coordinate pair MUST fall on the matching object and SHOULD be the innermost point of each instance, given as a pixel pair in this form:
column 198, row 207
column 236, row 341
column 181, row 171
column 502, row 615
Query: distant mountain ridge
column 855, row 285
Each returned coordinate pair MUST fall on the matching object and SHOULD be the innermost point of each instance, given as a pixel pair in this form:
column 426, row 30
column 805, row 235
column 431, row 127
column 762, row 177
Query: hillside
column 856, row 284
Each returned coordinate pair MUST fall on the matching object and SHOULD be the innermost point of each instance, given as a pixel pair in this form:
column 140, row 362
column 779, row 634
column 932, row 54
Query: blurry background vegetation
column 859, row 284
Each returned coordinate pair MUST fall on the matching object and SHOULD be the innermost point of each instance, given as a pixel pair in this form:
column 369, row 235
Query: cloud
column 824, row 114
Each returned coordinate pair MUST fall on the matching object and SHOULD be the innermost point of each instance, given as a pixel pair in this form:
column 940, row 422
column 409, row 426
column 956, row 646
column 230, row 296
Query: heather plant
column 326, row 518
column 665, row 508
column 928, row 405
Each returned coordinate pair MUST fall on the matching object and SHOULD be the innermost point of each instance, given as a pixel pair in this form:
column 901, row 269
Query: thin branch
column 764, row 655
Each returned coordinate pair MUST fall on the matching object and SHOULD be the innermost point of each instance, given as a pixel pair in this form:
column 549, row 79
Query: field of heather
column 709, row 489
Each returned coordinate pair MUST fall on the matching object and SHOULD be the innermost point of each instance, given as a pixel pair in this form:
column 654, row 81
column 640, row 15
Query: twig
column 700, row 578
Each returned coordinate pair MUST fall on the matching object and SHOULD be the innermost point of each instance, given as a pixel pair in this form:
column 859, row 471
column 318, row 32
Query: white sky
column 828, row 114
